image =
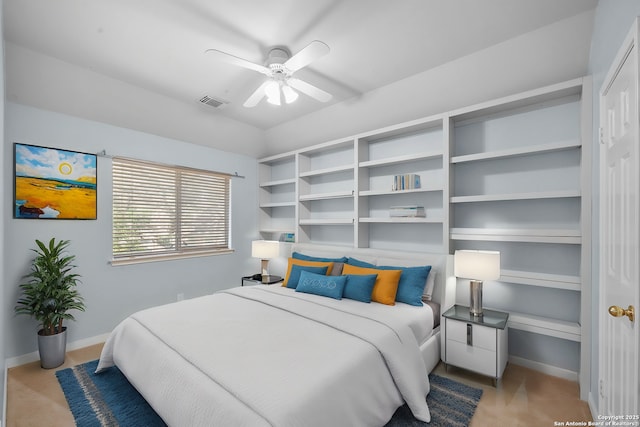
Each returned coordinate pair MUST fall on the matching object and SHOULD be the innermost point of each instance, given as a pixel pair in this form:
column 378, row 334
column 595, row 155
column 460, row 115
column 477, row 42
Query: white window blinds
column 163, row 210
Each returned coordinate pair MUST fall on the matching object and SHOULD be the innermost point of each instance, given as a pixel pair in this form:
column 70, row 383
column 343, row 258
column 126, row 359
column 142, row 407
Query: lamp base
column 264, row 266
column 475, row 301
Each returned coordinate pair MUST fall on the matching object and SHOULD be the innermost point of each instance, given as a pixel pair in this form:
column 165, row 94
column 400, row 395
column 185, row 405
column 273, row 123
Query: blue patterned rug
column 110, row 400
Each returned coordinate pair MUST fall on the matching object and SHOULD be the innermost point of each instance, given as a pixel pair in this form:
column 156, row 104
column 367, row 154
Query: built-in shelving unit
column 413, row 148
column 512, row 174
column 520, row 169
column 277, row 195
column 326, row 183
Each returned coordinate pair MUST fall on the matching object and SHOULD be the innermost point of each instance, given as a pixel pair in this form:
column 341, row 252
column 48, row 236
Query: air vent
column 213, row 102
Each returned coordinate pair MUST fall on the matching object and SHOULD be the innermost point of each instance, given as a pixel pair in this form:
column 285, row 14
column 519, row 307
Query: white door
column 620, row 235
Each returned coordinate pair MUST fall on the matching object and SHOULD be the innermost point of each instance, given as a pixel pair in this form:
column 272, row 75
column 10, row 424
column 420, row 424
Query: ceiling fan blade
column 308, row 54
column 232, row 59
column 309, row 89
column 256, row 96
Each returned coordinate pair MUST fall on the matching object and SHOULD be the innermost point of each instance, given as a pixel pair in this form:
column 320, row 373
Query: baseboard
column 544, row 368
column 593, row 407
column 3, row 418
column 34, row 357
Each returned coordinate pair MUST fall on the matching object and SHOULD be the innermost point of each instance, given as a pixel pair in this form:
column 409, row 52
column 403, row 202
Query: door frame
column 631, row 40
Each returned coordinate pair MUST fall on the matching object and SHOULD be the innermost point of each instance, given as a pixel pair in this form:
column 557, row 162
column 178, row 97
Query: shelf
column 534, row 235
column 277, row 204
column 327, row 221
column 278, row 182
column 545, row 326
column 516, row 152
column 516, row 196
column 337, row 145
column 433, row 122
column 326, row 171
column 518, row 101
column 557, row 281
column 401, row 220
column 401, row 159
column 278, row 230
column 366, row 193
column 325, row 196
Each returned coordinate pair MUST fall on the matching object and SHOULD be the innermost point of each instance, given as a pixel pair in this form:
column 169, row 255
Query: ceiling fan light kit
column 279, row 69
column 290, row 95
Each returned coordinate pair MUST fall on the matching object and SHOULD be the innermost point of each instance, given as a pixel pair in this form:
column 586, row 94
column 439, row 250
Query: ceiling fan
column 279, row 68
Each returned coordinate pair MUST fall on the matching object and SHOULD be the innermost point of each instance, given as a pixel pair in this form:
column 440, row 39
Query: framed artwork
column 50, row 183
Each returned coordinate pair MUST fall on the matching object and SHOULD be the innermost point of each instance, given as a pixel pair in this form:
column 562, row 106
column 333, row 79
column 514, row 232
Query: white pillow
column 431, row 282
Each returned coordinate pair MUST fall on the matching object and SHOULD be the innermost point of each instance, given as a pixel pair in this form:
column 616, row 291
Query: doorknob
column 616, row 311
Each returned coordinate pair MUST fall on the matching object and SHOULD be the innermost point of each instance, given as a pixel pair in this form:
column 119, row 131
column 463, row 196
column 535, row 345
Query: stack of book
column 411, row 211
column 405, row 182
column 288, row 237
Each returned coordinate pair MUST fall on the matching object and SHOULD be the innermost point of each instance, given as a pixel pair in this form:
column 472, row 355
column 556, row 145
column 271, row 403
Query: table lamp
column 265, row 250
column 476, row 266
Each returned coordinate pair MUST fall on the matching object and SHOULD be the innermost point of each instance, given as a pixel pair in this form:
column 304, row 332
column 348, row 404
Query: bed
column 271, row 356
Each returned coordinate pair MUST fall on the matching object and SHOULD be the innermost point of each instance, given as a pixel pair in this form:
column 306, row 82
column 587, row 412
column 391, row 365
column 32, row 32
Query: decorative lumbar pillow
column 412, row 283
column 386, row 286
column 359, row 287
column 318, row 284
column 293, row 262
column 297, row 270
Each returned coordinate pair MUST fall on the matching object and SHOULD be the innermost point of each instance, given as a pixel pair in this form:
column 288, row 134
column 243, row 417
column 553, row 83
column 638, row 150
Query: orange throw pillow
column 386, row 287
column 293, row 261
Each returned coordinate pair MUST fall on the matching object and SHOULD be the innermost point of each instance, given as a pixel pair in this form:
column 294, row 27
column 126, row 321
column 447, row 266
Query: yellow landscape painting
column 52, row 183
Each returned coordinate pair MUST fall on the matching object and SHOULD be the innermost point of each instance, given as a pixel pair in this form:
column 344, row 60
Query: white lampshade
column 265, row 249
column 272, row 91
column 477, row 265
column 290, row 95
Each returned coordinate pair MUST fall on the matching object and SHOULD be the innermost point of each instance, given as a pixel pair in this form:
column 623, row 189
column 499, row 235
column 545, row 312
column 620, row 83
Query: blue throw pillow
column 411, row 284
column 358, row 263
column 359, row 286
column 298, row 255
column 326, row 286
column 296, row 270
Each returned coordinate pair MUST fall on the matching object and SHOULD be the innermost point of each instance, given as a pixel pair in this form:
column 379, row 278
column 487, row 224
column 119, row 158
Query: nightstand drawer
column 481, row 336
column 473, row 358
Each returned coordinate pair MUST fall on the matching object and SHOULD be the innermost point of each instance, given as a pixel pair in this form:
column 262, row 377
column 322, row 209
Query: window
column 167, row 211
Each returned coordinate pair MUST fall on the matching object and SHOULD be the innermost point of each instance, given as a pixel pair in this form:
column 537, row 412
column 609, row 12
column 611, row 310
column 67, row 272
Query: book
column 410, row 211
column 288, row 237
column 408, row 181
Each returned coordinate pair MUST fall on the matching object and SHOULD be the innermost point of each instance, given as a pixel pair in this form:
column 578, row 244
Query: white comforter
column 268, row 356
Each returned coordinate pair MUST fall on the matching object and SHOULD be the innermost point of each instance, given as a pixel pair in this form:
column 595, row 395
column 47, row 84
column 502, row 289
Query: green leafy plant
column 50, row 293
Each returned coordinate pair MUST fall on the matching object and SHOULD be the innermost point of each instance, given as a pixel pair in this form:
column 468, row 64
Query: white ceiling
column 158, row 46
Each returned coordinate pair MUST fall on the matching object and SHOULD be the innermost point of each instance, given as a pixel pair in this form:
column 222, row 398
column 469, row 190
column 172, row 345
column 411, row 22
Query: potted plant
column 48, row 296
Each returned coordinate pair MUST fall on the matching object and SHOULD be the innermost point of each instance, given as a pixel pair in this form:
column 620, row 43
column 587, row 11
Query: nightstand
column 476, row 343
column 270, row 280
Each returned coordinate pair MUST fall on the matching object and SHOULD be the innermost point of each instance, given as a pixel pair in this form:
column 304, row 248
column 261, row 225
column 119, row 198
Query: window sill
column 167, row 257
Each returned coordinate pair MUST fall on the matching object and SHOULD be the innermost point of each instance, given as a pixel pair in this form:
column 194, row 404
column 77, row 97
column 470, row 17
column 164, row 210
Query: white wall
column 549, row 55
column 111, row 293
column 613, row 19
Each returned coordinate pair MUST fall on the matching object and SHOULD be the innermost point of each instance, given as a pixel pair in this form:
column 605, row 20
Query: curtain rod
column 103, row 153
